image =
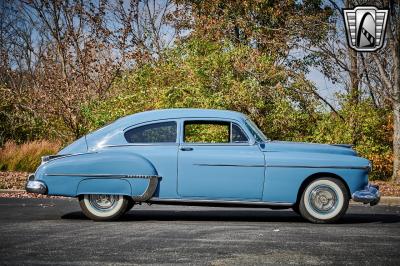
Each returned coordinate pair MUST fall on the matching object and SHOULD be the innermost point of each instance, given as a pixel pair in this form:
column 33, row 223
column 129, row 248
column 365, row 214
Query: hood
column 287, row 146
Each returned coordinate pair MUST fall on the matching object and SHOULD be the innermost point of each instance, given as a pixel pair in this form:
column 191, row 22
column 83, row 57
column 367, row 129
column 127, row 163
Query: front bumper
column 34, row 186
column 370, row 194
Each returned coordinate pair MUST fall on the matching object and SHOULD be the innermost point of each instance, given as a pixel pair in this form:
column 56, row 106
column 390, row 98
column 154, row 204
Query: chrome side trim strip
column 234, row 165
column 219, row 202
column 323, row 166
column 107, row 175
column 288, row 166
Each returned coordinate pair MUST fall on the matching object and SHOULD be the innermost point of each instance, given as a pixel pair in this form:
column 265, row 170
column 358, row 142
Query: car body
column 202, row 157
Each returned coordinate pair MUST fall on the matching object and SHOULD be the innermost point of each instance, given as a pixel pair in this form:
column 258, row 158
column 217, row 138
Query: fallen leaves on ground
column 388, row 188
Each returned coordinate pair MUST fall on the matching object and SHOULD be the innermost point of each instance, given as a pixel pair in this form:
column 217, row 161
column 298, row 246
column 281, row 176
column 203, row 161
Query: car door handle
column 186, row 149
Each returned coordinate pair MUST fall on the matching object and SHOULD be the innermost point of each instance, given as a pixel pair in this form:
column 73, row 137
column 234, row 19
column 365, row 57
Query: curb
column 391, row 201
column 386, row 200
column 12, row 190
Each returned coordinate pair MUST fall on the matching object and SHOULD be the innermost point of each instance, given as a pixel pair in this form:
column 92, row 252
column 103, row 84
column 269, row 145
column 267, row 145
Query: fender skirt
column 85, row 185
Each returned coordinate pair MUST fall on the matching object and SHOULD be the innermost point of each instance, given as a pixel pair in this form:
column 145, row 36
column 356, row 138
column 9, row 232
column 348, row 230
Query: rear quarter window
column 163, row 132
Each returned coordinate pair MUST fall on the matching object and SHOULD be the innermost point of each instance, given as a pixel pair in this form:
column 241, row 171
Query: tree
column 378, row 73
column 204, row 74
column 387, row 63
column 59, row 55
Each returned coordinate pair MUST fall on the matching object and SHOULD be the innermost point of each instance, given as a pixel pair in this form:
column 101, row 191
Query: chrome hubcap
column 103, row 202
column 323, row 199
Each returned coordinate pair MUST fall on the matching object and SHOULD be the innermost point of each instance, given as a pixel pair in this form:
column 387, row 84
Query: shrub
column 27, row 156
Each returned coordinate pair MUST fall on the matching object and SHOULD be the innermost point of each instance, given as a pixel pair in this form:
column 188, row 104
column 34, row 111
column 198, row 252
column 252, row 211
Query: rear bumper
column 370, row 194
column 34, row 186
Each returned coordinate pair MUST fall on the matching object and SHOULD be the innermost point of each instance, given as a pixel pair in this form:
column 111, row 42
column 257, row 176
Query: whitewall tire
column 324, row 200
column 103, row 207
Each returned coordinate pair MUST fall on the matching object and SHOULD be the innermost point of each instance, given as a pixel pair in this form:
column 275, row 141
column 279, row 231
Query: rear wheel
column 103, row 207
column 130, row 204
column 324, row 200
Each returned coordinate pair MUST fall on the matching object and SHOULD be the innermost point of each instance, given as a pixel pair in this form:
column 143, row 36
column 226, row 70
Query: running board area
column 221, row 203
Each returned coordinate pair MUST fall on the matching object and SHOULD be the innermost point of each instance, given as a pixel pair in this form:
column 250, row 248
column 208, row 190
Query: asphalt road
column 54, row 231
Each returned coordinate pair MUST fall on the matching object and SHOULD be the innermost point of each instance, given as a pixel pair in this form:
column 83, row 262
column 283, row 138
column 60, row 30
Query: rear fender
column 103, row 172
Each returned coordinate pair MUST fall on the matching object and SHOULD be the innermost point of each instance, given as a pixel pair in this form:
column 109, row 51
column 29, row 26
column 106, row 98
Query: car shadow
column 236, row 216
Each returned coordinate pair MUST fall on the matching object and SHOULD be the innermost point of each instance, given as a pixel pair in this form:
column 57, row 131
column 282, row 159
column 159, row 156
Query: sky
column 324, row 86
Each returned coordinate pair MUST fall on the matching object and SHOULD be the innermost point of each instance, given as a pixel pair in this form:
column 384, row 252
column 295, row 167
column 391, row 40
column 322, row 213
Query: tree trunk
column 394, row 45
column 396, row 142
column 354, row 90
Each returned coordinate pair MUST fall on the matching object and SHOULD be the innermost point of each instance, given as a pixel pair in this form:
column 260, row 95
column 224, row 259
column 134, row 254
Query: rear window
column 163, row 132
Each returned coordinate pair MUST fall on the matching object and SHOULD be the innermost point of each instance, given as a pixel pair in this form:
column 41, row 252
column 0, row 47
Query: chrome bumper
column 370, row 194
column 34, row 186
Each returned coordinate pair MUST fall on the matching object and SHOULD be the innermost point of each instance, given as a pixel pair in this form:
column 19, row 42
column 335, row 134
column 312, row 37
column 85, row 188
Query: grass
column 27, row 156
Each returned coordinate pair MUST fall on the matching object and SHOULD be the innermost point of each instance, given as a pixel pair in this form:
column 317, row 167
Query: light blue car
column 202, row 157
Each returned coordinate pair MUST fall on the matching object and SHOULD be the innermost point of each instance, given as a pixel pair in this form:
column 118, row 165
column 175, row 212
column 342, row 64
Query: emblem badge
column 365, row 27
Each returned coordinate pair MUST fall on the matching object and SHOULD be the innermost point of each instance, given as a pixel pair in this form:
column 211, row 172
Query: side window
column 238, row 135
column 206, row 132
column 152, row 133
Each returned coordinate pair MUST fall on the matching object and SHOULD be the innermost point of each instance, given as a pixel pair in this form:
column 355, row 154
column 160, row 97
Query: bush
column 25, row 157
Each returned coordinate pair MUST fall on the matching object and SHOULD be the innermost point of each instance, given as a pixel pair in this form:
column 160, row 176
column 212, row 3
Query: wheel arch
column 315, row 176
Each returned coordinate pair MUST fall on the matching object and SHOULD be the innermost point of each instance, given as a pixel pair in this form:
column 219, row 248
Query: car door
column 216, row 160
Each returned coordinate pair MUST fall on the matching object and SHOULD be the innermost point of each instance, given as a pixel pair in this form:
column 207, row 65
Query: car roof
column 161, row 114
column 180, row 113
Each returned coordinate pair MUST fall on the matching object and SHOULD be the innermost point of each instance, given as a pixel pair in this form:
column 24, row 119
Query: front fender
column 102, row 172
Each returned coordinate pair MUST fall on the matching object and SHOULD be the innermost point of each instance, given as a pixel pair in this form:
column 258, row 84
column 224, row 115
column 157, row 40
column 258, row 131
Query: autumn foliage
column 70, row 67
column 25, row 157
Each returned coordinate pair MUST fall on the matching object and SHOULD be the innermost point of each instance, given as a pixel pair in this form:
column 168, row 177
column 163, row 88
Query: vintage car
column 202, row 157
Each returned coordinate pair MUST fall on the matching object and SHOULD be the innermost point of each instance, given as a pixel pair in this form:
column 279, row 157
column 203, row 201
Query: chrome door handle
column 186, row 149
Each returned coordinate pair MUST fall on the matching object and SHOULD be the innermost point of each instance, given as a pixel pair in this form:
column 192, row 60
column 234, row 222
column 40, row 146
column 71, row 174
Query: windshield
column 255, row 131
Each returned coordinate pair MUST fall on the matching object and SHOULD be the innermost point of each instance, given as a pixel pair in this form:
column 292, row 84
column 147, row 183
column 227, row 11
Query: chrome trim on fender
column 106, row 175
column 323, row 166
column 149, row 192
column 47, row 158
column 234, row 165
column 370, row 194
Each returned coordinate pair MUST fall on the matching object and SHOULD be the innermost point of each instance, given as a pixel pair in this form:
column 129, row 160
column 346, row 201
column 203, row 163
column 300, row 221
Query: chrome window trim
column 250, row 140
column 141, row 144
column 214, row 144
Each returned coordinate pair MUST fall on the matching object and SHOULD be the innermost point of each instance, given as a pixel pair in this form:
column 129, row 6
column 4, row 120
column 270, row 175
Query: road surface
column 54, row 231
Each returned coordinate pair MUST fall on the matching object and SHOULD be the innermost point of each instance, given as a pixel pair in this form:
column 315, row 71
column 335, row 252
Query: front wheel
column 324, row 200
column 103, row 207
